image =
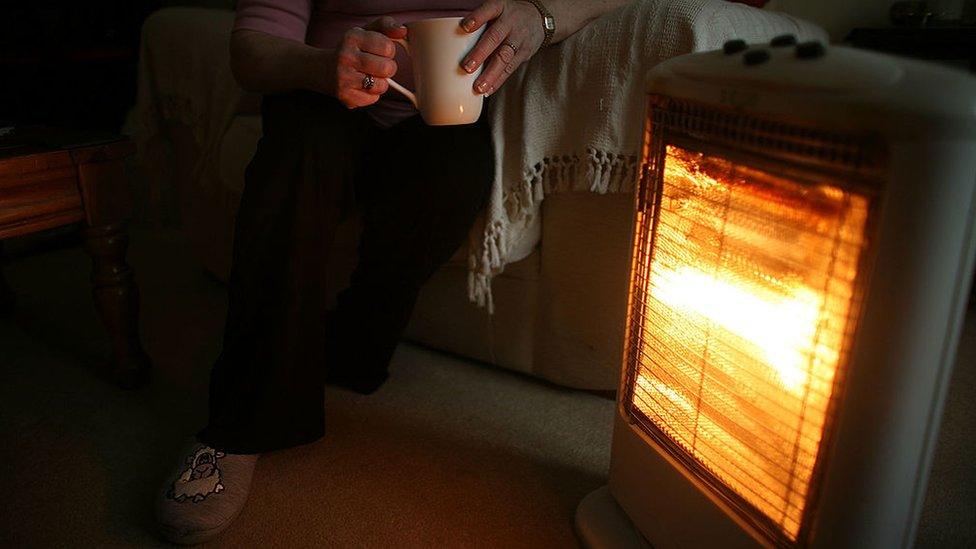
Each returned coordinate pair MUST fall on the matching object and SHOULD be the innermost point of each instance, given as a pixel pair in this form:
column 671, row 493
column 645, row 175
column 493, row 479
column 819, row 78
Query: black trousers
column 421, row 188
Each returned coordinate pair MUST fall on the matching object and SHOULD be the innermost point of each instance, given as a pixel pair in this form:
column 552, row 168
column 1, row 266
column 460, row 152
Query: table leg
column 117, row 301
column 6, row 294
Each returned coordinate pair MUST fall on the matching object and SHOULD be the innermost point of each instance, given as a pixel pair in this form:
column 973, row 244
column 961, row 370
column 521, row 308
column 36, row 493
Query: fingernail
column 482, row 87
column 466, row 24
column 470, row 65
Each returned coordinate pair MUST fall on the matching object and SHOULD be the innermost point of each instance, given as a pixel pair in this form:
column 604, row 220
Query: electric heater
column 802, row 254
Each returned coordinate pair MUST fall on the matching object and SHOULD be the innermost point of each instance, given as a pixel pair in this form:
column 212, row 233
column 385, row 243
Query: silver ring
column 368, row 82
column 511, row 45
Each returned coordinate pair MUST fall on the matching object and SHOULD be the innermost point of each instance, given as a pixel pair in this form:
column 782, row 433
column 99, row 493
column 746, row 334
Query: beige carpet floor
column 449, row 454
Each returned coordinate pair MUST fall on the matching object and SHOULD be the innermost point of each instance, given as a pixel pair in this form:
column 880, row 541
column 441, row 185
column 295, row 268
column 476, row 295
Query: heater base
column 602, row 524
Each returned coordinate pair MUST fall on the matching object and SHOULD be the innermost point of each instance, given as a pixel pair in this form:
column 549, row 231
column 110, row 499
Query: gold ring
column 511, row 45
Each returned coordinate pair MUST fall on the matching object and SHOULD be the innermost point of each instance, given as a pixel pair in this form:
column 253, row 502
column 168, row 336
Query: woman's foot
column 204, row 494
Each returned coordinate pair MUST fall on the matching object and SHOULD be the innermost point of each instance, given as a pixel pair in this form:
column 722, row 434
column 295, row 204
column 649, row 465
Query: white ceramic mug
column 445, row 92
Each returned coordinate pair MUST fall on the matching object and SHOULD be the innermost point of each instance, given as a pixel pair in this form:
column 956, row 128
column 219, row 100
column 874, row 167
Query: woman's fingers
column 357, row 79
column 510, row 40
column 369, row 63
column 380, row 86
column 370, row 42
column 351, row 92
column 510, row 22
column 380, row 67
column 501, row 64
column 388, row 26
column 482, row 14
column 492, row 38
column 365, row 52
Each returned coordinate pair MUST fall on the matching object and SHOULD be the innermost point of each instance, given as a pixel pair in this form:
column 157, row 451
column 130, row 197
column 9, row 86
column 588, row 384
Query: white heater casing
column 878, row 458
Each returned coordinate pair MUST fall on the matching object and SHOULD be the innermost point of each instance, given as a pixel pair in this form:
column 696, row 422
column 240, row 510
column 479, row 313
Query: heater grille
column 744, row 298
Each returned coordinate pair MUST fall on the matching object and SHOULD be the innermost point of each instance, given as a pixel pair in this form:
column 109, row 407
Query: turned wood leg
column 6, row 294
column 117, row 301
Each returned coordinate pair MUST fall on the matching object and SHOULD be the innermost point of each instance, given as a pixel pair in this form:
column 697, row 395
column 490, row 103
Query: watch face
column 550, row 23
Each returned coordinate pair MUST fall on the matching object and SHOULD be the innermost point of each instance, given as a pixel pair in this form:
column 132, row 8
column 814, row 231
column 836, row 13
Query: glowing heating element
column 747, row 305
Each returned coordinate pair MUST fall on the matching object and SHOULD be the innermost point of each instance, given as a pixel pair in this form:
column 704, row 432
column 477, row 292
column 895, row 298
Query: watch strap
column 548, row 21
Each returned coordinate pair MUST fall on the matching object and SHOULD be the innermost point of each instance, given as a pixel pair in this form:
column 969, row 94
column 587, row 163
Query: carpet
column 449, row 453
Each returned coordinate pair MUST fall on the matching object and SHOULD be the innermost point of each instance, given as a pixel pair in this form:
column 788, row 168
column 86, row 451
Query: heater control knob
column 783, row 40
column 734, row 46
column 755, row 57
column 810, row 50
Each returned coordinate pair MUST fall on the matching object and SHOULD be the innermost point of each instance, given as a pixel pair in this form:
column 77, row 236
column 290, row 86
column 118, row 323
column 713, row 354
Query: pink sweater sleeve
column 284, row 18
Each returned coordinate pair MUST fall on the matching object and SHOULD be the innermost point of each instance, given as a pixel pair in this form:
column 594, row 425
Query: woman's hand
column 365, row 52
column 514, row 35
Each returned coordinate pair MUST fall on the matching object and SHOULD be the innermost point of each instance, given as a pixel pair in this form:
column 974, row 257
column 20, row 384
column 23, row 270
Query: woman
column 333, row 137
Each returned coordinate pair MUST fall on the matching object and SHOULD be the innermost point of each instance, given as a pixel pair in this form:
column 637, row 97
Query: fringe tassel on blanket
column 482, row 268
column 610, row 173
column 605, row 172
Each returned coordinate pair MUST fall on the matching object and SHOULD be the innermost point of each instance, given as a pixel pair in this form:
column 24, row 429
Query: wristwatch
column 548, row 22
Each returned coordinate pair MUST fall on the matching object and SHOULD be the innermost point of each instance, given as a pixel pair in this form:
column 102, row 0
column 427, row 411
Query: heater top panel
column 785, row 69
column 834, row 87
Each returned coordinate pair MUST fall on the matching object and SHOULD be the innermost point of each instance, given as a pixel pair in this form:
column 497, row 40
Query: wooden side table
column 43, row 187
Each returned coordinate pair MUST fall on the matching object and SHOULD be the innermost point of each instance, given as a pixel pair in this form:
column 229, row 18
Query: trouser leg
column 266, row 388
column 423, row 190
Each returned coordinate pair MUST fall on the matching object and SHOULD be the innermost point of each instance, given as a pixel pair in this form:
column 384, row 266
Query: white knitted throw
column 571, row 119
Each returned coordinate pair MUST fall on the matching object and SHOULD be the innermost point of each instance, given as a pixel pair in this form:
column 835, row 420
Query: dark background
column 73, row 63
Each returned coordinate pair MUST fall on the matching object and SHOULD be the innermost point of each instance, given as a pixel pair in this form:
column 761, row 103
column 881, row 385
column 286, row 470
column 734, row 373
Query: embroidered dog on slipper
column 200, row 478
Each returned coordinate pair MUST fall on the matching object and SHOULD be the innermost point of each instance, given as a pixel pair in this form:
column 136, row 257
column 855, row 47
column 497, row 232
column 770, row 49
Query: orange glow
column 747, row 311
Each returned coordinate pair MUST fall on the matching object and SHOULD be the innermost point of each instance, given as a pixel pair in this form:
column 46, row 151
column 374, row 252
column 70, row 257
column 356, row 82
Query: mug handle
column 395, row 85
